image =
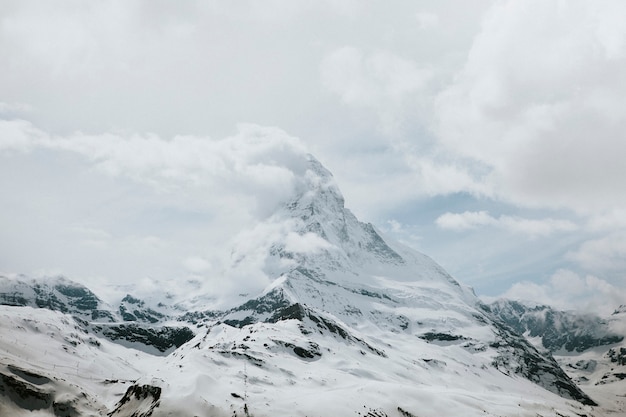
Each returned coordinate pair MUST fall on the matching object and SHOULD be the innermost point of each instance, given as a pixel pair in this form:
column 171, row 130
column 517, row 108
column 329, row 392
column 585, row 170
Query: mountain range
column 351, row 324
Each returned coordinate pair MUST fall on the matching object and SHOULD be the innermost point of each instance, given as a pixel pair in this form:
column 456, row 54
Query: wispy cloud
column 568, row 290
column 551, row 132
column 477, row 219
column 606, row 254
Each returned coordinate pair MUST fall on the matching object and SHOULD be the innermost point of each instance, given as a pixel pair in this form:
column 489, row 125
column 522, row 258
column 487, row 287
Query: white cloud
column 196, row 264
column 465, row 220
column 569, row 290
column 130, row 206
column 15, row 108
column 405, row 234
column 606, row 254
column 371, row 79
column 526, row 108
column 19, row 135
column 538, row 102
column 439, row 176
column 394, row 225
column 531, row 227
column 380, row 80
column 307, row 243
column 261, row 162
column 427, row 20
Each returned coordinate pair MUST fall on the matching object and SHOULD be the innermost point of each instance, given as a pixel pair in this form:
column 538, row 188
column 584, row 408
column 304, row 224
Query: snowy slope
column 350, row 324
column 591, row 349
column 50, row 363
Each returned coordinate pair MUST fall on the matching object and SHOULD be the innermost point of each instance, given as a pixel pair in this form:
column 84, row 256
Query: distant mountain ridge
column 558, row 330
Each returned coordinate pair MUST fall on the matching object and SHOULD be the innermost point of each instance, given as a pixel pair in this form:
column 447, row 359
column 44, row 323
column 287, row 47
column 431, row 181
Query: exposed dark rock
column 197, row 317
column 79, row 296
column 442, row 337
column 161, row 338
column 240, row 323
column 557, row 329
column 617, row 356
column 271, row 302
column 611, row 377
column 65, row 409
column 584, row 365
column 28, row 376
column 138, row 401
column 292, row 312
column 132, row 300
column 405, row 413
column 517, row 355
column 24, row 395
column 59, row 294
column 98, row 315
column 311, row 352
column 619, row 310
column 13, row 299
column 242, row 355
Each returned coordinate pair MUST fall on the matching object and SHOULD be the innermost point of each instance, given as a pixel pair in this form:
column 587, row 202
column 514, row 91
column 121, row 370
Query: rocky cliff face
column 589, row 348
column 558, row 330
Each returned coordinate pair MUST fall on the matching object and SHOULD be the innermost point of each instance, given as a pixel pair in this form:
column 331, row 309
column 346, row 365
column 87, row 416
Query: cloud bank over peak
column 538, row 101
column 261, row 162
column 568, row 290
column 530, row 227
column 499, row 120
column 186, row 207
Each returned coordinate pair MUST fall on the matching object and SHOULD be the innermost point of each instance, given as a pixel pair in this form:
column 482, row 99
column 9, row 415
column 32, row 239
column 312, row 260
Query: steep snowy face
column 322, row 235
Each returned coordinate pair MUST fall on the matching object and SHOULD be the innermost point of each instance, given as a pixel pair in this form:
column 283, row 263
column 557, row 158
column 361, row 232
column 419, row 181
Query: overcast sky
column 137, row 138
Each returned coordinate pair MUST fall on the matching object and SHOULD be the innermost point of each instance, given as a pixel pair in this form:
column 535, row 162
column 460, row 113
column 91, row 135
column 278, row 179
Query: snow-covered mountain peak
column 313, row 242
column 327, row 310
column 317, row 188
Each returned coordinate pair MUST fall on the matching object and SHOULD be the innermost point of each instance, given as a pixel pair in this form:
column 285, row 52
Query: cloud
column 132, row 206
column 427, row 20
column 606, row 254
column 508, row 104
column 371, row 79
column 539, row 102
column 531, row 227
column 380, row 80
column 607, row 221
column 307, row 243
column 261, row 162
column 196, row 264
column 8, row 108
column 465, row 220
column 569, row 290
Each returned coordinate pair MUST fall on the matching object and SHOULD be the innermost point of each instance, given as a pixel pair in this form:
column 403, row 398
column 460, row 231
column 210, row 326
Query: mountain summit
column 350, row 323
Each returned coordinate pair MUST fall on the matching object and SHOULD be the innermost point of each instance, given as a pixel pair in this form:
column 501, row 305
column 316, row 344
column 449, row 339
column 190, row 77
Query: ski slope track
column 352, row 324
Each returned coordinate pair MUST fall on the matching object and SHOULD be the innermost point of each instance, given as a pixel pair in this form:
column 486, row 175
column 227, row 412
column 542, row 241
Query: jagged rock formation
column 570, row 331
